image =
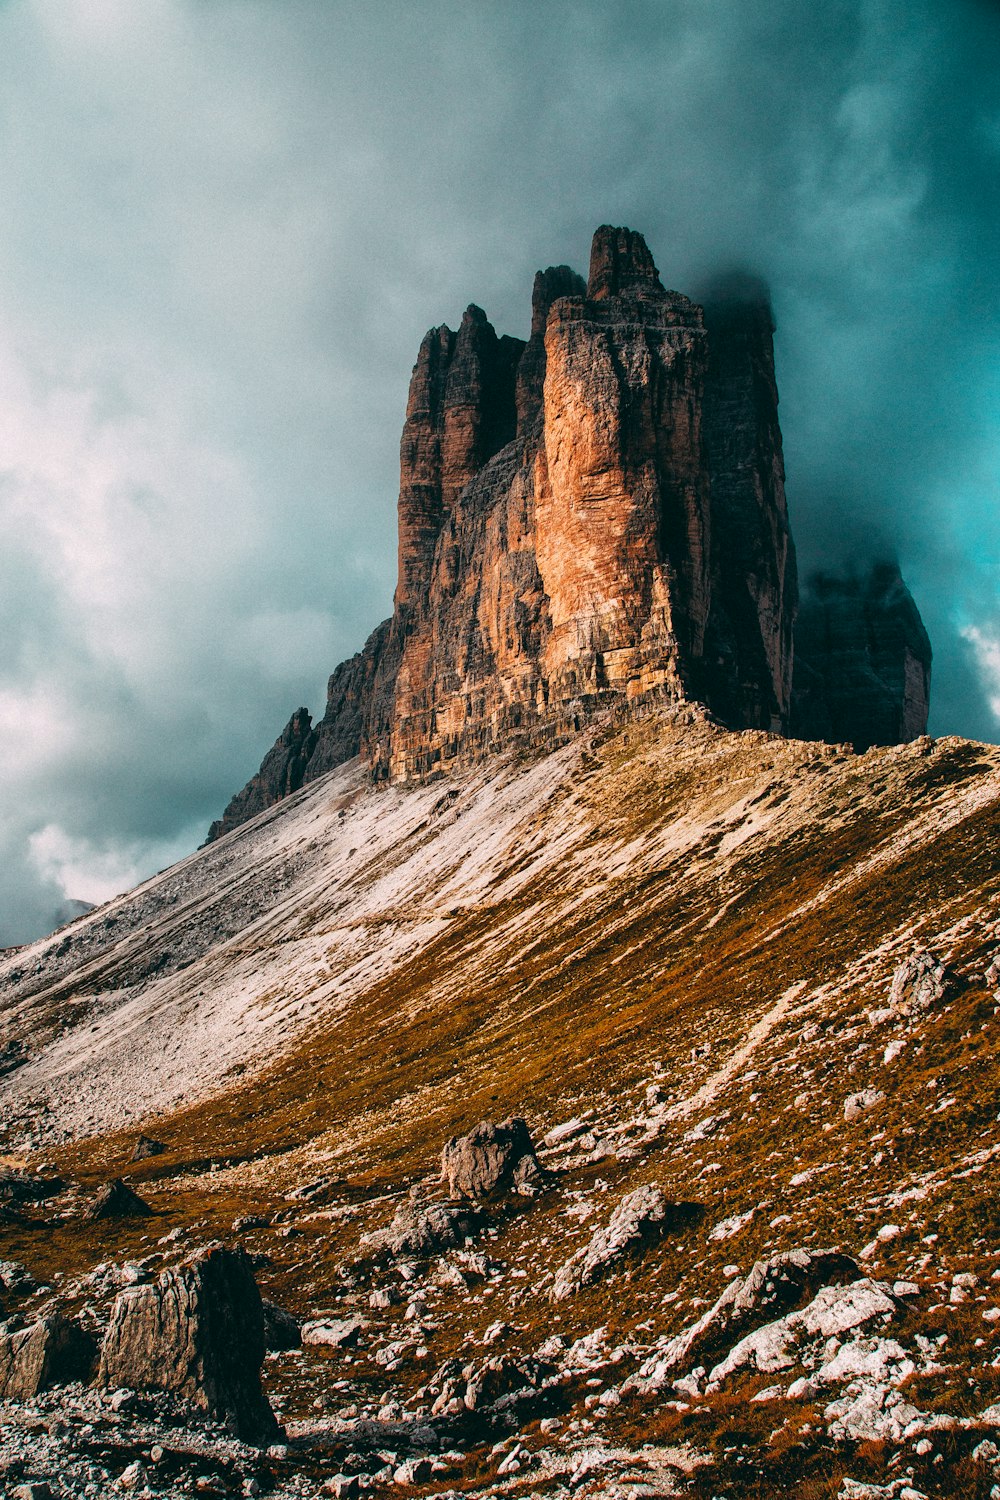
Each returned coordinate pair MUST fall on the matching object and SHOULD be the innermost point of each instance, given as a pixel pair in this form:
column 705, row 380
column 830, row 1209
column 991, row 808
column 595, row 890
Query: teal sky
column 226, row 225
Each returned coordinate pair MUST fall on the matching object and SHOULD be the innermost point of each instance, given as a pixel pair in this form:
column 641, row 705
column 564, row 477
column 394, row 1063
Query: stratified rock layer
column 594, row 518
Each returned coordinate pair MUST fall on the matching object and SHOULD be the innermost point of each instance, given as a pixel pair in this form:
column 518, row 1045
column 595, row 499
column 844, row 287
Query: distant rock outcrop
column 596, row 518
column 281, row 772
column 862, row 661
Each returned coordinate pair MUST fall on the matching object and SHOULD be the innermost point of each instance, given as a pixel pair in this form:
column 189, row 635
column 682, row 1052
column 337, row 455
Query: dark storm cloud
column 227, row 224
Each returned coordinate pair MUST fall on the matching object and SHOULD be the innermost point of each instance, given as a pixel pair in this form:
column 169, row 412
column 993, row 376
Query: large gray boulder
column 492, row 1160
column 53, row 1351
column 919, row 983
column 427, row 1228
column 197, row 1331
column 772, row 1288
column 639, row 1220
column 116, row 1200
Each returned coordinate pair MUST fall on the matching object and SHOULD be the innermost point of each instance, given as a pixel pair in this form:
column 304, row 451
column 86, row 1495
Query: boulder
column 426, row 1229
column 116, row 1200
column 197, row 1331
column 919, row 982
column 499, row 1383
column 856, row 1105
column 23, row 1187
column 638, row 1221
column 335, row 1333
column 145, row 1146
column 16, row 1278
column 53, row 1351
column 281, row 1330
column 832, row 1313
column 772, row 1288
column 492, row 1160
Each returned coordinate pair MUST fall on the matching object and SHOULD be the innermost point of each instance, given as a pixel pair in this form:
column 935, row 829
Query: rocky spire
column 597, row 519
column 550, row 285
column 460, row 411
column 862, row 660
column 620, row 261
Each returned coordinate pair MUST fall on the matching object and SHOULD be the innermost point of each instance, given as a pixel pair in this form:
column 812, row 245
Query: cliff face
column 862, row 661
column 595, row 517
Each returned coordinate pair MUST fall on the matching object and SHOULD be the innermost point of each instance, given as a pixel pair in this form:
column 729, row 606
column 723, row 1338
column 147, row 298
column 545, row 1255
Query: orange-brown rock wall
column 593, row 518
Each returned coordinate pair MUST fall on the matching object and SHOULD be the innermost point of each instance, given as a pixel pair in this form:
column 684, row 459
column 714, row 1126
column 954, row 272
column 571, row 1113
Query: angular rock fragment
column 640, row 1219
column 16, row 1278
column 856, row 1105
column 197, row 1331
column 919, row 982
column 23, row 1187
column 492, row 1160
column 116, row 1200
column 426, row 1229
column 496, row 1384
column 336, row 1333
column 52, row 1351
column 772, row 1288
column 834, row 1311
column 145, row 1147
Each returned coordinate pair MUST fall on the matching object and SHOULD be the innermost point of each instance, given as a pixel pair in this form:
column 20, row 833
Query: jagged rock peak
column 620, row 261
column 595, row 520
column 550, row 285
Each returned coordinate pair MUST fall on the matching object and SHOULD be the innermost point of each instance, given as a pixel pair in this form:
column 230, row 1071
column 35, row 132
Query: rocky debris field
column 648, row 1151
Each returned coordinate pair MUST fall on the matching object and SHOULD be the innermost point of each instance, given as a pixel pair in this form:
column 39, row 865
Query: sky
column 226, row 225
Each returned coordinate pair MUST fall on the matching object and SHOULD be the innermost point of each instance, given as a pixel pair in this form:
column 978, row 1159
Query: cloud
column 986, row 646
column 229, row 222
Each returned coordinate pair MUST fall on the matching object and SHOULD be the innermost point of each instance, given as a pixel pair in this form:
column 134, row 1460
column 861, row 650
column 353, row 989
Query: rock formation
column 52, row 1351
column 116, row 1200
column 862, row 662
column 596, row 518
column 492, row 1160
column 198, row 1331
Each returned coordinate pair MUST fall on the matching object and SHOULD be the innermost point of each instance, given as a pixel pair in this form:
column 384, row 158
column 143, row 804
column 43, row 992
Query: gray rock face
column 52, row 1351
column 426, row 1229
column 198, row 1331
column 772, row 1288
column 492, row 1160
column 862, row 661
column 638, row 1221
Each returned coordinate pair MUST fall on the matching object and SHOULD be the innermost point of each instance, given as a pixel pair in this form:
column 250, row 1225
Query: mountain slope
column 678, row 939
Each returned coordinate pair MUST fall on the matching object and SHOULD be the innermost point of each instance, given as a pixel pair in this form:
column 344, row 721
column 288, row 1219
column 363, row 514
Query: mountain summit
column 597, row 517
